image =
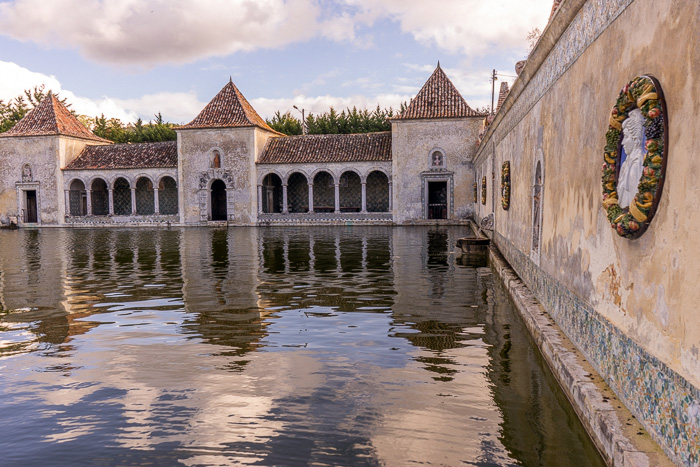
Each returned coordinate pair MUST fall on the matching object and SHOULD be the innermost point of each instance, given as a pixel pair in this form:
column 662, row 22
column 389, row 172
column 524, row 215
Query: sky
column 134, row 58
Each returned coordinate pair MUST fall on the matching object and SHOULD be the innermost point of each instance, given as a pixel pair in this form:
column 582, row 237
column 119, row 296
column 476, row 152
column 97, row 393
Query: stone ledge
column 618, row 436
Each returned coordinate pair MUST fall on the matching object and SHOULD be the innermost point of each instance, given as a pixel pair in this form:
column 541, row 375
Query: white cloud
column 145, row 34
column 175, row 107
column 470, row 27
column 132, row 32
column 15, row 79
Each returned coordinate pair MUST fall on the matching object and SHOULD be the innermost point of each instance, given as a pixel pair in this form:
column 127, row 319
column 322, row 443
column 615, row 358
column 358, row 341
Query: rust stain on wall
column 613, row 281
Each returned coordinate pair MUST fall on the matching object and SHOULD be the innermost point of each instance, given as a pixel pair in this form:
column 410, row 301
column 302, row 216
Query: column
column 311, row 197
column 285, row 209
column 337, row 198
column 364, row 197
column 67, row 202
column 133, row 200
column 260, row 199
column 391, row 197
column 156, row 205
column 88, row 193
column 110, row 200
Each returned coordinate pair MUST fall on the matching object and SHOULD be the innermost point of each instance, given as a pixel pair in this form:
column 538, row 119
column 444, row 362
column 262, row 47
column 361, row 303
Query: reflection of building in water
column 220, row 271
column 297, row 263
column 531, row 402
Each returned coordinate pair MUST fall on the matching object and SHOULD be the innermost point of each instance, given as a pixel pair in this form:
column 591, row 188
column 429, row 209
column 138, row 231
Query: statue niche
column 27, row 173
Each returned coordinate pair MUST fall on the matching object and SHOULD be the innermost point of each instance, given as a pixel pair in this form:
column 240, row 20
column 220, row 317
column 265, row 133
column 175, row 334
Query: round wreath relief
column 483, row 190
column 643, row 93
column 505, row 185
column 475, row 193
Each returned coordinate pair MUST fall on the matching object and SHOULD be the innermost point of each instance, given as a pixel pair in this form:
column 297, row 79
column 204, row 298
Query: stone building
column 229, row 167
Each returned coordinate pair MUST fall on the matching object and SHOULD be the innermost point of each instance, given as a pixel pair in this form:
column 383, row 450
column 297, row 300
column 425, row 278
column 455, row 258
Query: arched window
column 122, row 197
column 377, row 192
column 350, row 192
column 298, row 193
column 272, row 194
column 167, row 196
column 324, row 192
column 77, row 197
column 145, row 201
column 99, row 197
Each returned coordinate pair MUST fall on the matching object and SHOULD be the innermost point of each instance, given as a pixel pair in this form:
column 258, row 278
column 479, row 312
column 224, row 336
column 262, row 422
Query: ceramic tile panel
column 662, row 400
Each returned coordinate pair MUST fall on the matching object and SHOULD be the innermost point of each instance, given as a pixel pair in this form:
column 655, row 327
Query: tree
column 285, row 123
column 332, row 122
column 532, row 38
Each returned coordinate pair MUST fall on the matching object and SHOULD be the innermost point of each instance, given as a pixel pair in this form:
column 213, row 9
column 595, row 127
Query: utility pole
column 493, row 88
column 303, row 119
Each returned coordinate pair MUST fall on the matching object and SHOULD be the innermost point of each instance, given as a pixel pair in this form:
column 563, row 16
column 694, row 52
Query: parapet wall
column 628, row 304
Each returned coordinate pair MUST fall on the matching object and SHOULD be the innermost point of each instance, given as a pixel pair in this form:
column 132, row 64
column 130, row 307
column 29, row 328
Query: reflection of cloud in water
column 418, row 427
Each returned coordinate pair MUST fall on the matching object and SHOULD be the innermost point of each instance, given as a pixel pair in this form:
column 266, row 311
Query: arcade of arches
column 349, row 193
column 122, row 198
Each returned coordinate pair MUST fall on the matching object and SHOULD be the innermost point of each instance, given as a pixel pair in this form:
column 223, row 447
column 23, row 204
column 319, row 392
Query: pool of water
column 268, row 346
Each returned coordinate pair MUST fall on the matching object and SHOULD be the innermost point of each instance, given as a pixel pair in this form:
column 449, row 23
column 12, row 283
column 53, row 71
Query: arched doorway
column 218, row 201
column 272, row 194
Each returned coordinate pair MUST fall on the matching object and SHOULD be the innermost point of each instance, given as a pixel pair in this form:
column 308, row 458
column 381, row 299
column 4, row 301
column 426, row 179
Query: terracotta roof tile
column 228, row 109
column 127, row 156
column 48, row 118
column 438, row 98
column 328, row 148
column 502, row 94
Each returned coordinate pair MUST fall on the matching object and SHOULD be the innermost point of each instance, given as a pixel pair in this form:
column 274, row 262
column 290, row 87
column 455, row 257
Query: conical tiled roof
column 48, row 118
column 438, row 98
column 502, row 94
column 229, row 109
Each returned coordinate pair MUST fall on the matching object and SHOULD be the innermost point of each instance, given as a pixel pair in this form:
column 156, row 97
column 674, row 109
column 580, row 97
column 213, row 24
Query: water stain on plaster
column 610, row 282
column 661, row 308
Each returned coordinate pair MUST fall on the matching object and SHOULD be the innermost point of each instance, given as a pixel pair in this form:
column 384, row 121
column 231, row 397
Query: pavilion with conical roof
column 433, row 142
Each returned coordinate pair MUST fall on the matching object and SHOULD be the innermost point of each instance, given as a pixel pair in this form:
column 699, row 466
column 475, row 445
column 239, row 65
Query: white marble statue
column 631, row 170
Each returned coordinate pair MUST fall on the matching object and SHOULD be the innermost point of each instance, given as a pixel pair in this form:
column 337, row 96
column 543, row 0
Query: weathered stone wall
column 413, row 142
column 629, row 305
column 45, row 156
column 41, row 154
column 238, row 149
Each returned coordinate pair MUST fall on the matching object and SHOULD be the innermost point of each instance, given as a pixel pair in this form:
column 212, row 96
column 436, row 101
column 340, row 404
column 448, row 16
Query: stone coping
column 620, row 438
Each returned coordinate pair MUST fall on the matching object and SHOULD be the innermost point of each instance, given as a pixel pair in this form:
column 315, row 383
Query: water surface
column 268, row 346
